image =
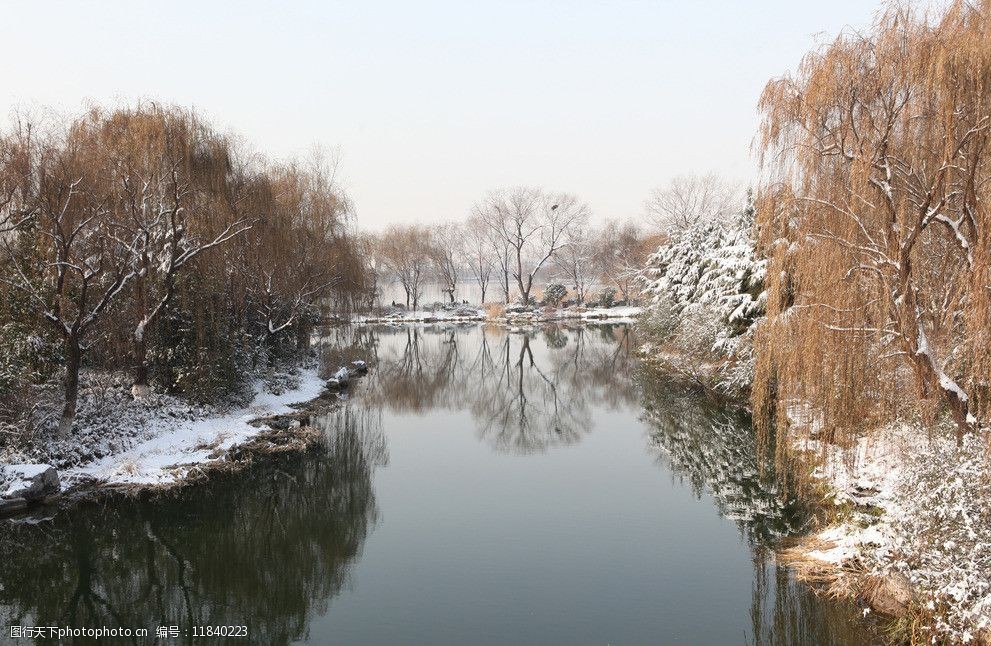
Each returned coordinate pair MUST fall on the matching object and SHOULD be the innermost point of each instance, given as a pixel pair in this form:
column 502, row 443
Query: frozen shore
column 511, row 315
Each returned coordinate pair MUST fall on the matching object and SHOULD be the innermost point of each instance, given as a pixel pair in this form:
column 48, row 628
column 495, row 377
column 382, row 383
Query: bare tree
column 162, row 205
column 87, row 259
column 405, row 250
column 15, row 176
column 532, row 224
column 292, row 243
column 476, row 252
column 578, row 259
column 445, row 255
column 622, row 250
column 690, row 198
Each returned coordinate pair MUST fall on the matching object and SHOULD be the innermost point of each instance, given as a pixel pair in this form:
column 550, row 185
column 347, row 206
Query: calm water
column 480, row 487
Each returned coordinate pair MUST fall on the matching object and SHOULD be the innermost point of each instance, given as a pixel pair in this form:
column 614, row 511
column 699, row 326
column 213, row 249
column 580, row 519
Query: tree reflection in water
column 526, row 390
column 714, row 450
column 273, row 545
column 266, row 547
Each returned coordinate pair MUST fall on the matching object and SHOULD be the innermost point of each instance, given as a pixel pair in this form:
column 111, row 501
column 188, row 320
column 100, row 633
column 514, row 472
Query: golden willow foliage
column 874, row 222
column 135, row 234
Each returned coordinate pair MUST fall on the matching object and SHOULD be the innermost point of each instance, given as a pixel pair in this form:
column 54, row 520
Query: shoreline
column 867, row 551
column 622, row 313
column 191, row 450
column 885, row 546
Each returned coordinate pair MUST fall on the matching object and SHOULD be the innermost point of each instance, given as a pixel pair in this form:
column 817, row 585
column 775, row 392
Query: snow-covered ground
column 619, row 314
column 423, row 316
column 626, row 313
column 914, row 503
column 160, row 439
column 175, row 447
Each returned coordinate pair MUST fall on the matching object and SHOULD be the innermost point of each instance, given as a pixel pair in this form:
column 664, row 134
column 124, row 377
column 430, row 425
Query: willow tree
column 82, row 259
column 166, row 175
column 873, row 221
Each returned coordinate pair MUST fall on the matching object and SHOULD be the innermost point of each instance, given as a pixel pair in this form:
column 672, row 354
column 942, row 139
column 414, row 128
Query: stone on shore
column 29, row 481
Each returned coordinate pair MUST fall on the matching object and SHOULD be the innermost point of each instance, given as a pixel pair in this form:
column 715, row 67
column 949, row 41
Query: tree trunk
column 955, row 399
column 140, row 388
column 73, row 359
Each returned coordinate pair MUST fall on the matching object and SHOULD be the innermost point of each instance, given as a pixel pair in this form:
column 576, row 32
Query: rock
column 891, row 595
column 358, row 368
column 339, row 381
column 30, row 481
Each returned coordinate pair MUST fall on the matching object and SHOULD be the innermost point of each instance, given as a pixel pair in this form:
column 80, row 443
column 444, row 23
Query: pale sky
column 433, row 102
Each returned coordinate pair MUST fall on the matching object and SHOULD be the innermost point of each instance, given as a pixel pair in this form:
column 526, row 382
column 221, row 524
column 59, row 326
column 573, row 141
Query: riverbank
column 161, row 441
column 903, row 528
column 909, row 535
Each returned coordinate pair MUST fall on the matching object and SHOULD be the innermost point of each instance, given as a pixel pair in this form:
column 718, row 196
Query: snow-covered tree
column 874, row 210
column 707, row 282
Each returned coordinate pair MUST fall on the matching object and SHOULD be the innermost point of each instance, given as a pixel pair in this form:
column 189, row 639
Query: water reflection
column 527, row 390
column 714, row 450
column 585, row 540
column 268, row 547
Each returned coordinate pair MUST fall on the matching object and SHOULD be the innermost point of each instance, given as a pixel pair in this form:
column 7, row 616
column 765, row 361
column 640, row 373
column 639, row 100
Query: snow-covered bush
column 530, row 303
column 554, row 293
column 607, row 297
column 938, row 527
column 706, row 290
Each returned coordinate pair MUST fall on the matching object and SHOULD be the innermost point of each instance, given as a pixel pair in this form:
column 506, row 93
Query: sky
column 433, row 103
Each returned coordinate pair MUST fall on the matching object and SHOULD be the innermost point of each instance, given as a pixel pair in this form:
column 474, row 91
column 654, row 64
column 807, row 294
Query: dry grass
column 494, row 310
column 851, row 582
column 835, row 581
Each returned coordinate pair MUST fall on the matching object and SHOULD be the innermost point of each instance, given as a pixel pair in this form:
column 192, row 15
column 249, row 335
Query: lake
column 480, row 486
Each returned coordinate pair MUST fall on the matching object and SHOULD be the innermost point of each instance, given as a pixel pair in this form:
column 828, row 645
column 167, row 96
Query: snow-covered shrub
column 706, row 291
column 937, row 530
column 554, row 293
column 607, row 297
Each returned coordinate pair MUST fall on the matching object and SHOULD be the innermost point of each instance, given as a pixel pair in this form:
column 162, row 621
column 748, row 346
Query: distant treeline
column 144, row 238
column 510, row 238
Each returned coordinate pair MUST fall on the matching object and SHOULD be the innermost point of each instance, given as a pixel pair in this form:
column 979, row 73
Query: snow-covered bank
column 174, row 447
column 912, row 506
column 161, row 440
column 511, row 315
column 400, row 317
